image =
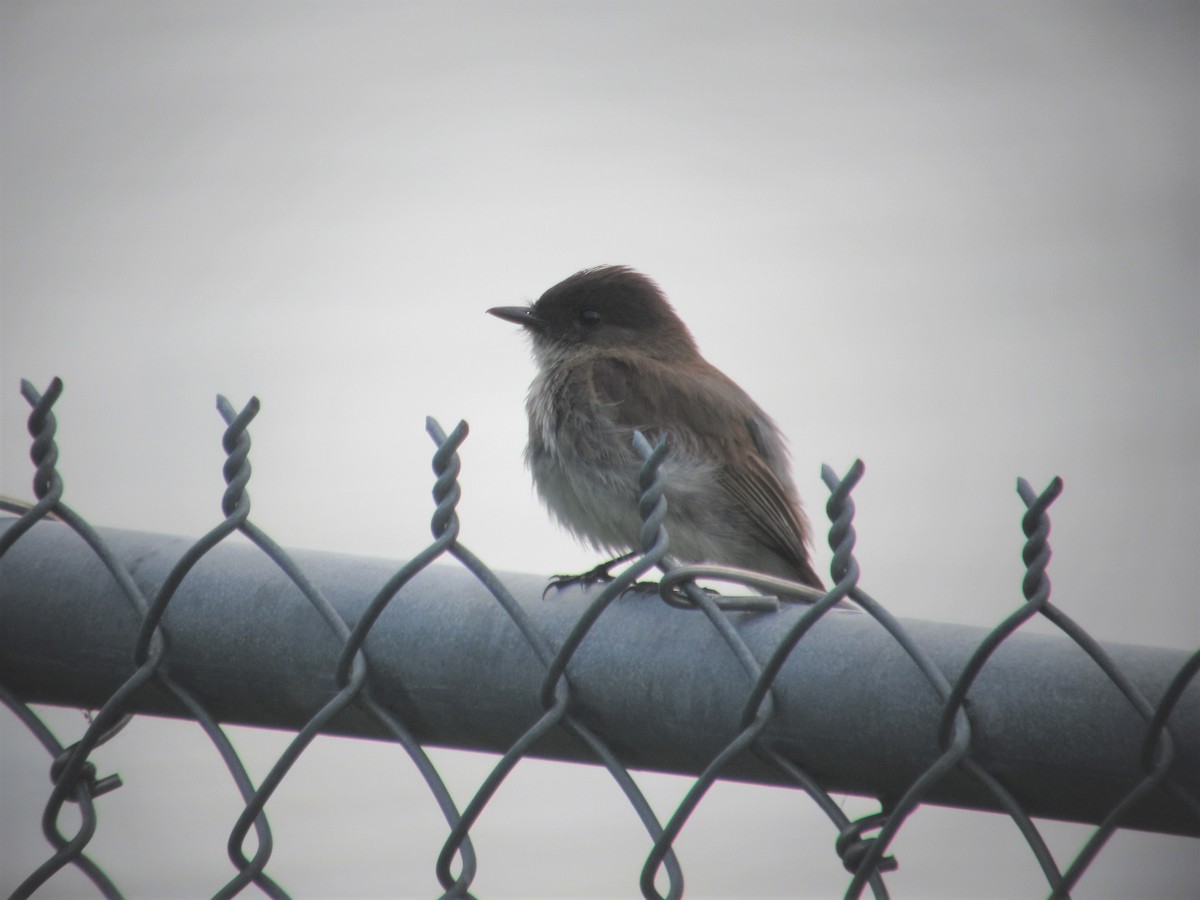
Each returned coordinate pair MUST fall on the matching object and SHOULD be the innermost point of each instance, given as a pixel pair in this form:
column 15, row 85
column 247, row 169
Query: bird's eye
column 589, row 318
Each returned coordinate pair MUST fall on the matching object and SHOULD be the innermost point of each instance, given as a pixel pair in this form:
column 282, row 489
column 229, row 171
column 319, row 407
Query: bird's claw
column 600, row 574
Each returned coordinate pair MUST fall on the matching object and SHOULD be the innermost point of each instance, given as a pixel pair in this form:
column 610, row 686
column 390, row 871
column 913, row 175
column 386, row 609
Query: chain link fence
column 834, row 697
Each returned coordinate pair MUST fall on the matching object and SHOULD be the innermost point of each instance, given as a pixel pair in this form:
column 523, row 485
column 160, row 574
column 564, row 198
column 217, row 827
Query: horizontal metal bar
column 657, row 682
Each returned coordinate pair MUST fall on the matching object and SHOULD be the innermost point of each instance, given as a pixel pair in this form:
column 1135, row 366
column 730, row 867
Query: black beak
column 522, row 315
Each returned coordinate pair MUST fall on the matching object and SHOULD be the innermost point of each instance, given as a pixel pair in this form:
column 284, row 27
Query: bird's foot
column 647, row 588
column 598, row 575
column 674, row 597
column 678, row 597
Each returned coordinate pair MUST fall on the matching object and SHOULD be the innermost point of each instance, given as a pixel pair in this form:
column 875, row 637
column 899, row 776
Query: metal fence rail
column 818, row 697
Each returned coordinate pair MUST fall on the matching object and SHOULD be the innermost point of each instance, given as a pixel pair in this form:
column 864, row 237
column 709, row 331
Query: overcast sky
column 958, row 240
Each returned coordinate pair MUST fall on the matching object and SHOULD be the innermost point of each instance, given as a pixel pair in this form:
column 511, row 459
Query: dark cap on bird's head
column 607, row 307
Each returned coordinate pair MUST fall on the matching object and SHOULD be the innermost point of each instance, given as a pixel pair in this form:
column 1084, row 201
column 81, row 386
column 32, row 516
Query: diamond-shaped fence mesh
column 833, row 697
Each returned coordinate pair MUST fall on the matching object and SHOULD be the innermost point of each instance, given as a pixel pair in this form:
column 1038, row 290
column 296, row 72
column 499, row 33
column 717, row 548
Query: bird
column 612, row 356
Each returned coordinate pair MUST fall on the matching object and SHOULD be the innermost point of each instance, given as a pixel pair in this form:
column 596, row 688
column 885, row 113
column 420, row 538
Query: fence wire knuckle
column 742, row 688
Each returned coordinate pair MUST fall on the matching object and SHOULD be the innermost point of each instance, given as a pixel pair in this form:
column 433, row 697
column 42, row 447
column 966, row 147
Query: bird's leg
column 597, row 575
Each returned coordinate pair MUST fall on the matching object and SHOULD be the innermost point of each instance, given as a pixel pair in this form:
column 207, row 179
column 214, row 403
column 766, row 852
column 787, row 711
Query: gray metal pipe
column 657, row 683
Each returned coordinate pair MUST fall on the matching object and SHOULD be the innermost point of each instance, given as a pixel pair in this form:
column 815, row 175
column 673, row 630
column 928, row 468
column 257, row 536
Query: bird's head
column 606, row 308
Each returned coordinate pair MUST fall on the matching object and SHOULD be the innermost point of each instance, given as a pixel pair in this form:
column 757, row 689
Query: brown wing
column 658, row 398
column 774, row 518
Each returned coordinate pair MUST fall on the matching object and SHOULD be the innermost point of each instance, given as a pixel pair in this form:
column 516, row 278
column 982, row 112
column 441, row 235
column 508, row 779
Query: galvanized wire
column 861, row 844
column 72, row 775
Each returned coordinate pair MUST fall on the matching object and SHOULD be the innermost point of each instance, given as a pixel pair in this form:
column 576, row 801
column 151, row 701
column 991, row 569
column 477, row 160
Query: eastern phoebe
column 612, row 356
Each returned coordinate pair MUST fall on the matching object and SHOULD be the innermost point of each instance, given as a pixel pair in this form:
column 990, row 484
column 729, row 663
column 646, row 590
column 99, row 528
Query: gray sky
column 958, row 240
